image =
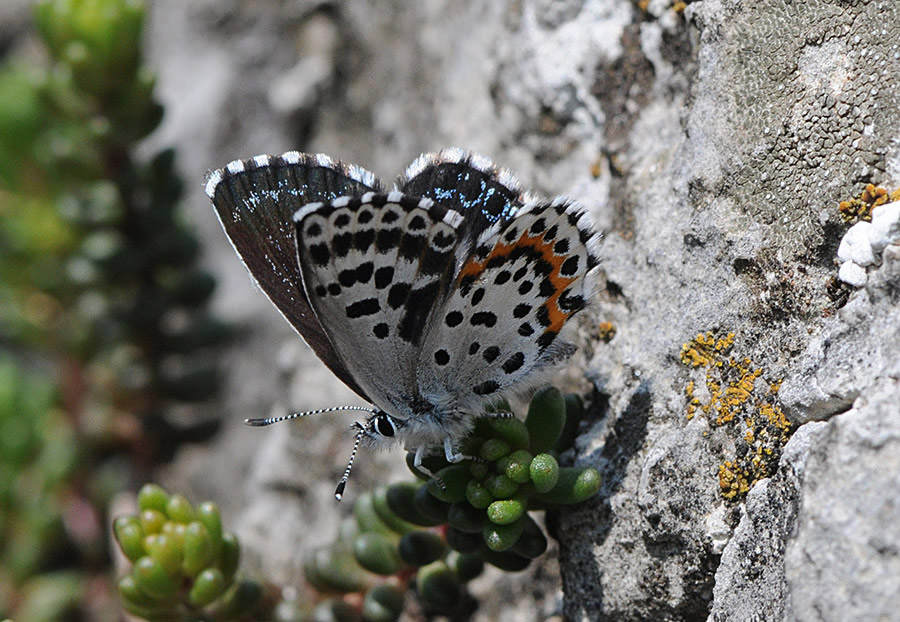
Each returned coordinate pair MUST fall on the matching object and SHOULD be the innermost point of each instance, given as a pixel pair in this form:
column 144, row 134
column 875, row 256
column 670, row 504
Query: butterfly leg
column 417, row 463
column 503, row 414
column 451, row 454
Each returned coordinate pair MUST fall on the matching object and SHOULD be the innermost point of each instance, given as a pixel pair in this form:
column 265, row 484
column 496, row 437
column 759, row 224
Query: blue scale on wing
column 521, row 284
column 479, row 194
column 375, row 267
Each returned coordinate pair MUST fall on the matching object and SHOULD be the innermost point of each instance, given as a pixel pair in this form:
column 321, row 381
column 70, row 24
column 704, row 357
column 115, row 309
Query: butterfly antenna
column 270, row 420
column 339, row 491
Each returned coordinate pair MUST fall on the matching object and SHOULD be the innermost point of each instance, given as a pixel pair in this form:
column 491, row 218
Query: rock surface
column 713, row 146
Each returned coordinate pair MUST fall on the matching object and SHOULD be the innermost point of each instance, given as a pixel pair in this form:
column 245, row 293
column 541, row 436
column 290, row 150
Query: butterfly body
column 432, row 301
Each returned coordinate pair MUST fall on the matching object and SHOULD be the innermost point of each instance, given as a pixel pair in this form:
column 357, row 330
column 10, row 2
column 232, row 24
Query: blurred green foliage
column 184, row 563
column 104, row 326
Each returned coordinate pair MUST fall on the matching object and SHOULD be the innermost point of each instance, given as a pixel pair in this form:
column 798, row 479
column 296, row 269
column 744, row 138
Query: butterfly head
column 379, row 430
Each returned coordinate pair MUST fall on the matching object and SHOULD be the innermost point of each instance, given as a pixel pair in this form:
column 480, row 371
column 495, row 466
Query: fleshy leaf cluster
column 184, row 562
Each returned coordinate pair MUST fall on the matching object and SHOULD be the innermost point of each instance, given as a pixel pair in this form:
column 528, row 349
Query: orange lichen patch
column 860, row 208
column 736, row 397
column 732, row 480
column 606, row 331
column 704, row 349
column 544, row 248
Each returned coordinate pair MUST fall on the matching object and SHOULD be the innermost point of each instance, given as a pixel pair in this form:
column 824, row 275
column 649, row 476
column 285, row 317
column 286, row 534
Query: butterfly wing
column 468, row 183
column 374, row 268
column 521, row 283
column 255, row 200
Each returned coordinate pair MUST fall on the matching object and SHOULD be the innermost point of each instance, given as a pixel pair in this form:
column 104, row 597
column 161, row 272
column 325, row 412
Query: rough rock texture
column 713, row 146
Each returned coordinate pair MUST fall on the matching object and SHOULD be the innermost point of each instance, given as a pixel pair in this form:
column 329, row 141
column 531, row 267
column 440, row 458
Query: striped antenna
column 270, row 420
column 339, row 491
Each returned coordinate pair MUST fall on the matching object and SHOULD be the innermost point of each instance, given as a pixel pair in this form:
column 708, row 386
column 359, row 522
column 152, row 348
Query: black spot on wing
column 364, row 272
column 484, row 318
column 570, row 266
column 546, row 339
column 347, row 278
column 398, row 295
column 454, row 318
column 416, row 311
column 411, row 246
column 360, row 308
column 363, row 239
column 491, row 353
column 571, row 303
column 384, row 276
column 547, row 288
column 387, row 239
column 390, row 216
column 434, row 262
column 514, row 362
column 320, row 254
column 485, row 388
column 341, row 244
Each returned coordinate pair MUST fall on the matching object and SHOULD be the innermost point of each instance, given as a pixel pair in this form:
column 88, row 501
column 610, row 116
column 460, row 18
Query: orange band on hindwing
column 474, row 268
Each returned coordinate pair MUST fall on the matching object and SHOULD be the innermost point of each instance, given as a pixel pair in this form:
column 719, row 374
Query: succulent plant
column 436, row 535
column 184, row 563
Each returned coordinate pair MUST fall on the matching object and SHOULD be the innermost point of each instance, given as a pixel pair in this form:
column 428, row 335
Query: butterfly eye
column 384, row 425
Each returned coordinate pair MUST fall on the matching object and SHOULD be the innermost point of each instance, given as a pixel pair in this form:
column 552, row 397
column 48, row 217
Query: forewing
column 376, row 267
column 255, row 200
column 518, row 287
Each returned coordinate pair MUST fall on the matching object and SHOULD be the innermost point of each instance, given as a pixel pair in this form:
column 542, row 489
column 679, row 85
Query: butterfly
column 432, row 301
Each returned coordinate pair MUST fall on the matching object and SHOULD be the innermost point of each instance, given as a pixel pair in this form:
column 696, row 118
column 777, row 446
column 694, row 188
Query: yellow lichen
column 735, row 397
column 860, row 208
column 606, row 331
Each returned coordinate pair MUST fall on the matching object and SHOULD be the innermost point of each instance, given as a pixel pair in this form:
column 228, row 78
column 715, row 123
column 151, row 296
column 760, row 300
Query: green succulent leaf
column 507, row 511
column 454, row 478
column 153, row 497
column 546, row 419
column 376, row 552
column 575, row 484
column 419, row 548
column 130, row 536
column 383, row 603
column 438, row 587
column 209, row 585
column 401, row 500
column 502, row 537
column 544, row 471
